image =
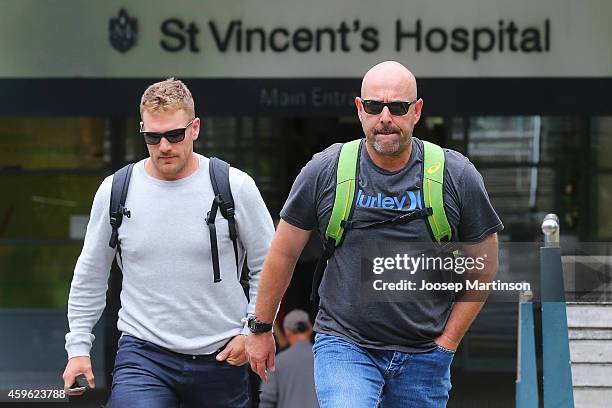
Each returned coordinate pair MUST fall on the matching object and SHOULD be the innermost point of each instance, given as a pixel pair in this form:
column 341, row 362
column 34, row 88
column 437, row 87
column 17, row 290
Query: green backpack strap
column 346, row 184
column 433, row 191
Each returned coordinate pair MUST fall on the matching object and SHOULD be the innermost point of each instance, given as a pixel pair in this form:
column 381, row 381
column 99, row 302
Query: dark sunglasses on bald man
column 173, row 136
column 396, row 108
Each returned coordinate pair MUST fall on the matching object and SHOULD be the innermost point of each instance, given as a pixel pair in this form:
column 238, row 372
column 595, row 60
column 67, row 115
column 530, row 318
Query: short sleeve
column 299, row 209
column 478, row 219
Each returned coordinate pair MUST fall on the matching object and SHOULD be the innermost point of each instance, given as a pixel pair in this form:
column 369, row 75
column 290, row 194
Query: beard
column 170, row 168
column 388, row 140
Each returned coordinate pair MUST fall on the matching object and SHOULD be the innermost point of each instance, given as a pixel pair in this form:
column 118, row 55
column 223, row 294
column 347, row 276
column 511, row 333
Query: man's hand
column 468, row 305
column 234, row 353
column 77, row 366
column 261, row 350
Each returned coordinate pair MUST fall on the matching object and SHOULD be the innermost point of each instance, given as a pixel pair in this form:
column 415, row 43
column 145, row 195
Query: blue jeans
column 347, row 375
column 150, row 376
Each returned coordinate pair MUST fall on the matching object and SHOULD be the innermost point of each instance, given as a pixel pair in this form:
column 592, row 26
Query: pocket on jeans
column 316, row 344
column 445, row 350
column 322, row 340
column 127, row 352
column 126, row 345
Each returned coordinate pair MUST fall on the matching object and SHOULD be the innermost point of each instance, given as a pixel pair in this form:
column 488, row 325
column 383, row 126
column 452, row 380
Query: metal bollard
column 550, row 228
column 558, row 391
column 526, row 366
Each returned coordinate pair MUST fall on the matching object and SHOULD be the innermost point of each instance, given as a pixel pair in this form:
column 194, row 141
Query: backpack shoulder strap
column 346, row 185
column 224, row 201
column 433, row 191
column 121, row 183
column 219, row 177
column 347, row 180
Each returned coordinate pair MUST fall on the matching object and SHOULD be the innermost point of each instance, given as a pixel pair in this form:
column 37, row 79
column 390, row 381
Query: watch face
column 253, row 325
column 259, row 327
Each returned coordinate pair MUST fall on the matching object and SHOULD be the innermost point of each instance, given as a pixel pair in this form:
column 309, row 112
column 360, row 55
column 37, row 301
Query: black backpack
column 223, row 201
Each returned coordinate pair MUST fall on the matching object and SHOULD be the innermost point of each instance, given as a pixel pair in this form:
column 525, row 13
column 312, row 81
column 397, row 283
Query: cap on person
column 297, row 321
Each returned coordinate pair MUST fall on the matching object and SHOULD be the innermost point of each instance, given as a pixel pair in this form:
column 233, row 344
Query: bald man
column 378, row 353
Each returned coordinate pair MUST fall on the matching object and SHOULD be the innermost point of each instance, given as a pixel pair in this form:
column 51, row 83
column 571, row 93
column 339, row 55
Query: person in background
column 292, row 384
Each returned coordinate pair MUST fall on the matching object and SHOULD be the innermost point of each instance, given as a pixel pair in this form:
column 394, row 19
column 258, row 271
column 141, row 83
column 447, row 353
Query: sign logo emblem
column 435, row 167
column 123, row 31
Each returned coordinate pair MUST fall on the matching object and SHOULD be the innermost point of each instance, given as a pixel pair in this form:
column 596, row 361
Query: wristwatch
column 257, row 326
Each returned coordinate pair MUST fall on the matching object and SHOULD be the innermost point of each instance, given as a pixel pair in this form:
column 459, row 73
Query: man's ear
column 418, row 108
column 359, row 106
column 195, row 127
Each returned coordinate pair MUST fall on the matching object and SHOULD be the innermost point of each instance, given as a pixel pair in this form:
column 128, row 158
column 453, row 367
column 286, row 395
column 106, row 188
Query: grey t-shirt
column 402, row 326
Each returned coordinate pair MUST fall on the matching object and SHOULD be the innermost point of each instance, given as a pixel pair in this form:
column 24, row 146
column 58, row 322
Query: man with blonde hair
column 183, row 310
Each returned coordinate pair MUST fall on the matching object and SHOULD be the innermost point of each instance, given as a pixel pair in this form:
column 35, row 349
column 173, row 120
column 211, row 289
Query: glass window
column 601, row 145
column 503, row 138
column 46, row 206
column 457, row 135
column 51, row 143
column 36, row 274
column 523, row 139
column 601, row 140
column 603, row 197
column 519, row 189
column 561, row 138
column 531, row 166
column 49, row 174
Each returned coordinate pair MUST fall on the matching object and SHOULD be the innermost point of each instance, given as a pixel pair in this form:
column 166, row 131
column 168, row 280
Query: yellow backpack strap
column 433, row 191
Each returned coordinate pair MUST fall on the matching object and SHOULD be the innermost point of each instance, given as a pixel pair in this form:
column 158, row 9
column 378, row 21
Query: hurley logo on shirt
column 409, row 201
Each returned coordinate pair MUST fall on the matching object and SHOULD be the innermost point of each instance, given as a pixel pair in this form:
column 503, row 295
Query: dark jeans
column 147, row 375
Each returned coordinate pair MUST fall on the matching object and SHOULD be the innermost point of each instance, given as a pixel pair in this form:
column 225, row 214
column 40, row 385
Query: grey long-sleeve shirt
column 168, row 295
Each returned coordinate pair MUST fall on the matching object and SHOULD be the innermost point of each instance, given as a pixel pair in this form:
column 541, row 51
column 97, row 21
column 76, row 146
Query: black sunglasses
column 173, row 136
column 396, row 108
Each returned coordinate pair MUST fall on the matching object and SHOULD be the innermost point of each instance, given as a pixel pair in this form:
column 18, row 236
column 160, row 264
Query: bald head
column 389, row 77
column 388, row 131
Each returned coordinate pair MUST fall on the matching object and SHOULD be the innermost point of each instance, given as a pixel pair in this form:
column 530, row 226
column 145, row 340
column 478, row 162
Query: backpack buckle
column 346, row 224
column 329, row 248
column 123, row 210
column 226, row 209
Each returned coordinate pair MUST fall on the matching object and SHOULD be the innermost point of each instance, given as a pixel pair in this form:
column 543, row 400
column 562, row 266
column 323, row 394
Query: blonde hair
column 167, row 96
